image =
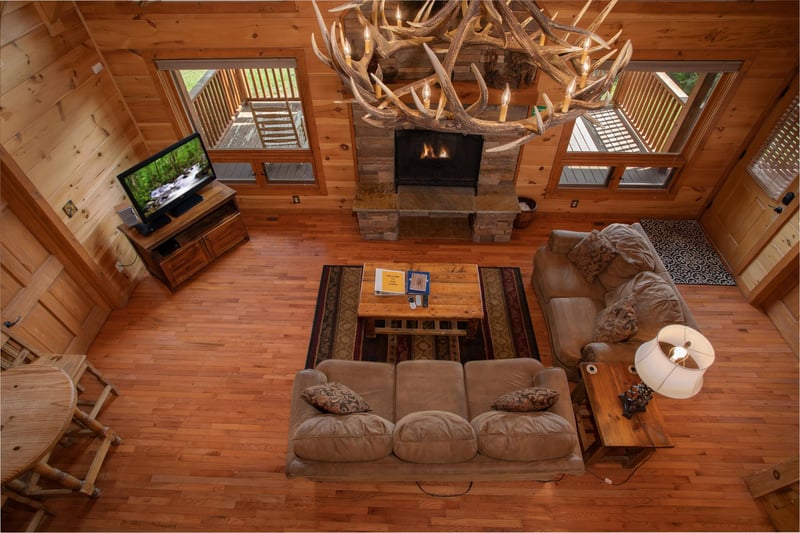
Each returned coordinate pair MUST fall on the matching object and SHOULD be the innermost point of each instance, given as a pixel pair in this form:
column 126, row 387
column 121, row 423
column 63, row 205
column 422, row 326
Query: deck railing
column 653, row 104
column 219, row 95
column 217, row 98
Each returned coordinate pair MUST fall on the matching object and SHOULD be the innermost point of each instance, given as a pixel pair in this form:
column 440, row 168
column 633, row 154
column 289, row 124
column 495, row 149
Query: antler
column 464, row 24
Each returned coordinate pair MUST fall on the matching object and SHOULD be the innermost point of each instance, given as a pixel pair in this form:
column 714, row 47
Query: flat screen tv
column 166, row 184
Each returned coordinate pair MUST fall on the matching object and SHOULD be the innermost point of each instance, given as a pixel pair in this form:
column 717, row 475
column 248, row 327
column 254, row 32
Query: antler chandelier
column 563, row 52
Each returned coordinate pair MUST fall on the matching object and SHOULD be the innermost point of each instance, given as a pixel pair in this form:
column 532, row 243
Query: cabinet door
column 225, row 236
column 181, row 264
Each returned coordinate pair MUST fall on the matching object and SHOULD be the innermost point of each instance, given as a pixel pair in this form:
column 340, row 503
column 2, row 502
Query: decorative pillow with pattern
column 592, row 255
column 335, row 398
column 525, row 400
column 616, row 322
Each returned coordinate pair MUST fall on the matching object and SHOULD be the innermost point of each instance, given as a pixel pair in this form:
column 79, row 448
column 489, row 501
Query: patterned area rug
column 686, row 253
column 506, row 330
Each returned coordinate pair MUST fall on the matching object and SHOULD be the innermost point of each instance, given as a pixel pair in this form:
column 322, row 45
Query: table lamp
column 672, row 364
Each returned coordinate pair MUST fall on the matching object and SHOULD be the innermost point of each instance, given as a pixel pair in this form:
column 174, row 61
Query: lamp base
column 635, row 399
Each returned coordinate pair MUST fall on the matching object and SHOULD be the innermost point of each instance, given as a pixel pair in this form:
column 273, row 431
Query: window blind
column 777, row 163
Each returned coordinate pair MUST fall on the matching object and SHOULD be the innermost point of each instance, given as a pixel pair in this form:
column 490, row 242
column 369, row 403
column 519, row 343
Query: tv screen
column 168, row 182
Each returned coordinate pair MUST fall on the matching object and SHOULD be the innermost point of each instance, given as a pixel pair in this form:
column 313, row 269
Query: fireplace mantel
column 490, row 213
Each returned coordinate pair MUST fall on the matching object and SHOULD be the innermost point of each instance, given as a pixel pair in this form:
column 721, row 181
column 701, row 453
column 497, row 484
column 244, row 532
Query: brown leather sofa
column 433, row 421
column 603, row 293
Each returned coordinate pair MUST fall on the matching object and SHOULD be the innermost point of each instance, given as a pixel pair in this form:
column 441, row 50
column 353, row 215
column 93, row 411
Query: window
column 640, row 140
column 252, row 116
column 777, row 164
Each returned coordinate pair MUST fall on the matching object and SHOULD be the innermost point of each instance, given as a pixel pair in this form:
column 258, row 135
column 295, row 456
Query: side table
column 617, row 438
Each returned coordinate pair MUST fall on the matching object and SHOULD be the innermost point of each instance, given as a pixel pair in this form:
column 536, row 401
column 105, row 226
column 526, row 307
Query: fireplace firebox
column 432, row 158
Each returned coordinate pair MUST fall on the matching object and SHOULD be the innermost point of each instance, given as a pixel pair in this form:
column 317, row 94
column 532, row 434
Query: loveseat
column 603, row 293
column 432, row 421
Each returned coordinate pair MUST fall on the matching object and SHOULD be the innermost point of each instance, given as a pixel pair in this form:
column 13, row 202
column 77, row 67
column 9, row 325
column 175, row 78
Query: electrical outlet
column 573, row 203
column 70, row 209
column 295, row 199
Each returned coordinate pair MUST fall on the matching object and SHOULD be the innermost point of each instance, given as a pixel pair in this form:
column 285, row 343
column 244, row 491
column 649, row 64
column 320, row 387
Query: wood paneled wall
column 71, row 130
column 67, row 133
column 763, row 35
column 130, row 35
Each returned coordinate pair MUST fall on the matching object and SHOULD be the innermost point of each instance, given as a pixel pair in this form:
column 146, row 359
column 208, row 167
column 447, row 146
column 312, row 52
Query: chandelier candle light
column 561, row 51
column 676, row 373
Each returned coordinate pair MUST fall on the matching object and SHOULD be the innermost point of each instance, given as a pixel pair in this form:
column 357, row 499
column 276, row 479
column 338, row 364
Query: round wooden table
column 38, row 403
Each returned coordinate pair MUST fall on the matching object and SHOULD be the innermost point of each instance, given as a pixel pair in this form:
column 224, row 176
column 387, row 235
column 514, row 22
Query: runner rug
column 686, row 253
column 506, row 330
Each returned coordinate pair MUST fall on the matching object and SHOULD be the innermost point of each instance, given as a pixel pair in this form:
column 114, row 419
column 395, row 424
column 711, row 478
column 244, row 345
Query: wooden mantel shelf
column 491, row 212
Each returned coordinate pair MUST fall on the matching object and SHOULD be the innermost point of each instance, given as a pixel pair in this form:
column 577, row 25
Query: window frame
column 620, row 161
column 171, row 94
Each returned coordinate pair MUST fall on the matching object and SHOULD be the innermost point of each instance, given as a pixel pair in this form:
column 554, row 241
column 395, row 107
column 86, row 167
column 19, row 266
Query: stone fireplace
column 484, row 206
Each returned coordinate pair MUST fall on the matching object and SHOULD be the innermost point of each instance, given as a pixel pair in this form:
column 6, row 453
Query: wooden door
column 41, row 302
column 756, row 234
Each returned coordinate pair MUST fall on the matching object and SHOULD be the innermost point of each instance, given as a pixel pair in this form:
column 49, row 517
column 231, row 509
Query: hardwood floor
column 205, row 376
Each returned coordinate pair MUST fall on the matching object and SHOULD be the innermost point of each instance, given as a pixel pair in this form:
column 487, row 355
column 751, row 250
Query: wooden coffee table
column 628, row 440
column 455, row 296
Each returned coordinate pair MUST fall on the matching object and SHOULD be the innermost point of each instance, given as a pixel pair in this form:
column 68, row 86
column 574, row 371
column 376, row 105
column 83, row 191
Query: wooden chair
column 38, row 508
column 279, row 123
column 16, row 352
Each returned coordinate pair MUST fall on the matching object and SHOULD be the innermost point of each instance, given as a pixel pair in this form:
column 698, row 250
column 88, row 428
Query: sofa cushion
column 634, row 255
column 524, row 436
column 592, row 255
column 434, row 437
column 333, row 397
column 372, row 381
column 430, row 385
column 348, row 438
column 526, row 400
column 554, row 276
column 485, row 380
column 657, row 303
column 616, row 322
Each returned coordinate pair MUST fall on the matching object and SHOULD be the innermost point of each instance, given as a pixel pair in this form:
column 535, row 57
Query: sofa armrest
column 601, row 352
column 302, row 410
column 561, row 241
column 555, row 378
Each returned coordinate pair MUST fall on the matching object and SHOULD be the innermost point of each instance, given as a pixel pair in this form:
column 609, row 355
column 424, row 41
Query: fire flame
column 428, row 152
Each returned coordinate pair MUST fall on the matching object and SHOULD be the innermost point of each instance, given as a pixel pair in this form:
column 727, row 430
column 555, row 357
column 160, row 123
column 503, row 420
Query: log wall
column 763, row 35
column 66, row 129
column 71, row 130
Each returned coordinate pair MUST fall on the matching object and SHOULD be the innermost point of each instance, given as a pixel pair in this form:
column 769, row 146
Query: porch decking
column 242, row 134
column 611, row 134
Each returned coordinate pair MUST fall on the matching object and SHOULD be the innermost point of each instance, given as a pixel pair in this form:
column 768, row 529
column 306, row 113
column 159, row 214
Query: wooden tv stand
column 190, row 242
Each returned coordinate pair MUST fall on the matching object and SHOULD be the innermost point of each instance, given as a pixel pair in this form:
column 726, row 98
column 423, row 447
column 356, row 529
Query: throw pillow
column 634, row 255
column 529, row 399
column 657, row 303
column 617, row 322
column 592, row 255
column 335, row 398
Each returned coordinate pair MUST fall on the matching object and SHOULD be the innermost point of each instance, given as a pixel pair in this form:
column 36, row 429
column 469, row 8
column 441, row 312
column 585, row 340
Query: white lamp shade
column 666, row 377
